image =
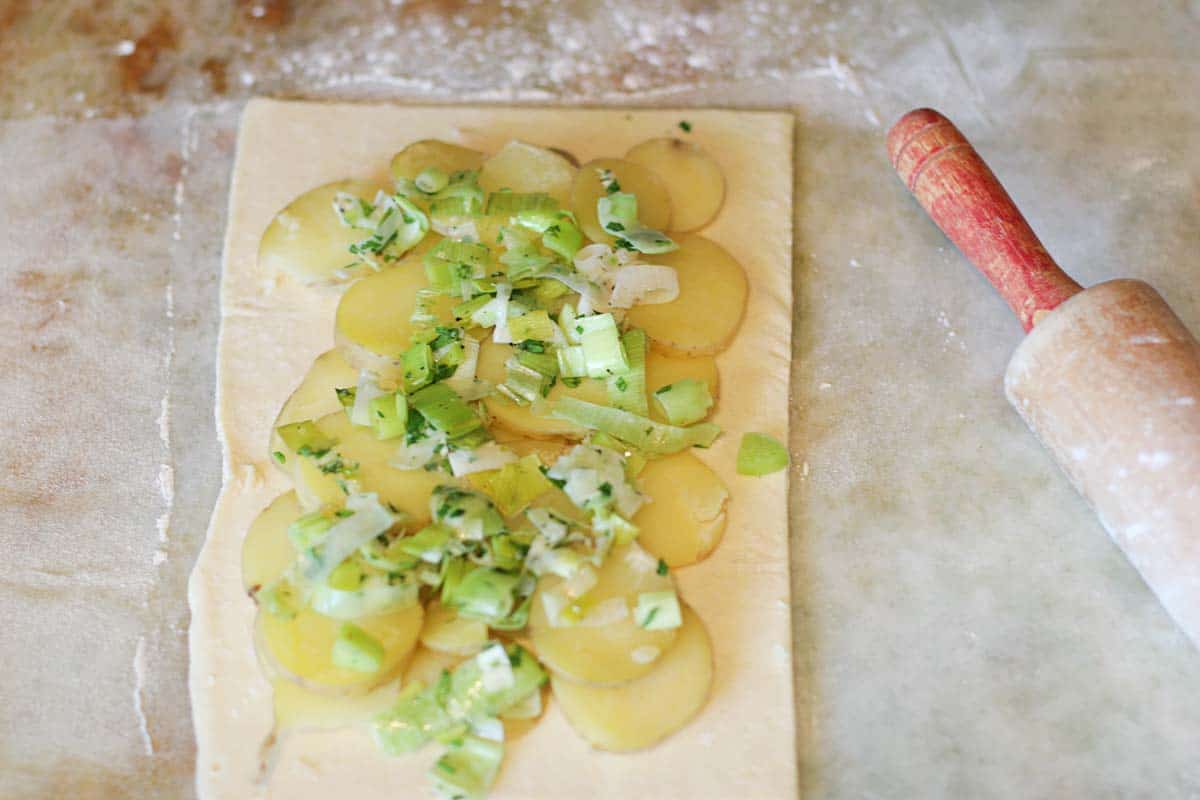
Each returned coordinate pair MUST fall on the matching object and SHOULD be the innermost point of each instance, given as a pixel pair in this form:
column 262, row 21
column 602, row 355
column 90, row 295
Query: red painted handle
column 943, row 171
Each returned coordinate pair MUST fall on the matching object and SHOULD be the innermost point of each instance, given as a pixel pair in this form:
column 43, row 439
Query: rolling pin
column 1108, row 378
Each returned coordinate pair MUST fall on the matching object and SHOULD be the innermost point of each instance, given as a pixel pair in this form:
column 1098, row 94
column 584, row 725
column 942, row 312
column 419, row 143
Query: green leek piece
column 431, row 180
column 483, row 594
column 643, row 433
column 544, row 363
column 563, row 238
column 566, row 321
column 506, row 554
column 469, row 441
column 609, row 522
column 523, row 385
column 521, row 256
column 547, row 291
column 617, row 214
column 451, row 263
column 279, row 600
column 453, row 570
column 465, row 311
column 347, row 576
column 685, row 401
column 389, row 415
column 308, row 531
column 346, row 397
column 467, row 770
column 387, row 555
column 657, row 611
column 451, row 355
column 354, row 212
column 535, row 325
column 460, row 697
column 303, row 438
column 460, row 200
column 760, row 454
column 572, row 361
column 398, row 226
column 427, row 544
column 357, row 650
column 471, row 515
column 517, row 620
column 422, row 318
column 627, row 390
column 417, row 362
column 601, row 343
column 515, row 485
column 445, row 410
column 536, row 211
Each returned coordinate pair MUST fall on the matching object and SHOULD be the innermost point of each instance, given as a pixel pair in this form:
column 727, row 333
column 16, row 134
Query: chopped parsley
column 662, row 567
column 685, row 126
column 279, row 457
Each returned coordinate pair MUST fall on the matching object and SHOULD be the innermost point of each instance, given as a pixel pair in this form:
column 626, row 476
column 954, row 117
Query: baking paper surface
column 743, row 743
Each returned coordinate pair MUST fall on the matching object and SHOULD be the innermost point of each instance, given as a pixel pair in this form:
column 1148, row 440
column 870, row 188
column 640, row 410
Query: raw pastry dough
column 742, row 744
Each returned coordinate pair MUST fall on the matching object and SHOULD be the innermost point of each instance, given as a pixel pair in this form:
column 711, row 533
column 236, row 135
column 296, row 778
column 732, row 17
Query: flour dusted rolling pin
column 1108, row 377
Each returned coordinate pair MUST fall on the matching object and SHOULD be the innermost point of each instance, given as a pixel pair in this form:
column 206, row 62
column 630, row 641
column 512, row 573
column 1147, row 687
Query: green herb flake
column 279, row 457
column 685, row 126
column 662, row 567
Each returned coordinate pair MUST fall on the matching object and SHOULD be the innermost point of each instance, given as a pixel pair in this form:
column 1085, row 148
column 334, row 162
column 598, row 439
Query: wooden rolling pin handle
column 962, row 195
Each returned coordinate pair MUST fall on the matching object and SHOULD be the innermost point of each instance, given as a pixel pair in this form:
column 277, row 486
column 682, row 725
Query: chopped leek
column 354, row 212
column 641, row 432
column 368, row 520
column 627, row 390
column 485, row 457
column 467, row 770
column 427, row 544
column 364, row 394
column 471, row 515
column 534, row 325
column 495, row 670
column 308, row 531
column 445, row 410
column 685, row 401
column 551, row 526
column 397, row 225
column 303, row 438
column 514, row 486
column 646, row 284
column 601, row 343
column 357, row 650
column 279, row 600
column 563, row 237
column 760, row 454
column 536, row 211
column 365, row 594
column 417, row 362
column 483, row 594
column 523, row 385
column 656, row 611
column 522, row 258
column 452, row 264
column 617, row 214
column 594, row 478
column 431, row 180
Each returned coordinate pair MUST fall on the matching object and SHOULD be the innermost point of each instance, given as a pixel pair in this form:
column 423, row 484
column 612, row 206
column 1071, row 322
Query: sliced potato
column 663, row 370
column 647, row 710
column 524, row 167
column 373, row 322
column 685, row 518
column 315, row 396
column 308, row 241
column 266, row 550
column 427, row 665
column 426, row 153
column 612, row 653
column 654, row 203
column 406, row 490
column 522, row 419
column 711, row 302
column 692, row 177
column 447, row 632
column 548, row 450
column 301, row 648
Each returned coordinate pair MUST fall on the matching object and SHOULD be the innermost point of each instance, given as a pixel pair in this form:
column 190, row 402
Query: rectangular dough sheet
column 743, row 743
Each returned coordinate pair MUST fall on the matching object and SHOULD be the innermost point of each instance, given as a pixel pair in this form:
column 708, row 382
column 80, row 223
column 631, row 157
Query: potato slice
column 372, row 327
column 301, row 648
column 426, row 153
column 446, row 632
column 308, row 241
column 663, row 370
column 685, row 518
column 524, row 168
column 654, row 202
column 645, row 711
column 711, row 302
column 692, row 178
column 610, row 654
column 315, row 396
column 266, row 550
column 521, row 419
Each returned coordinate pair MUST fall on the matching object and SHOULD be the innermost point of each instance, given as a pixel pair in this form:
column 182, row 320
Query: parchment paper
column 742, row 743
